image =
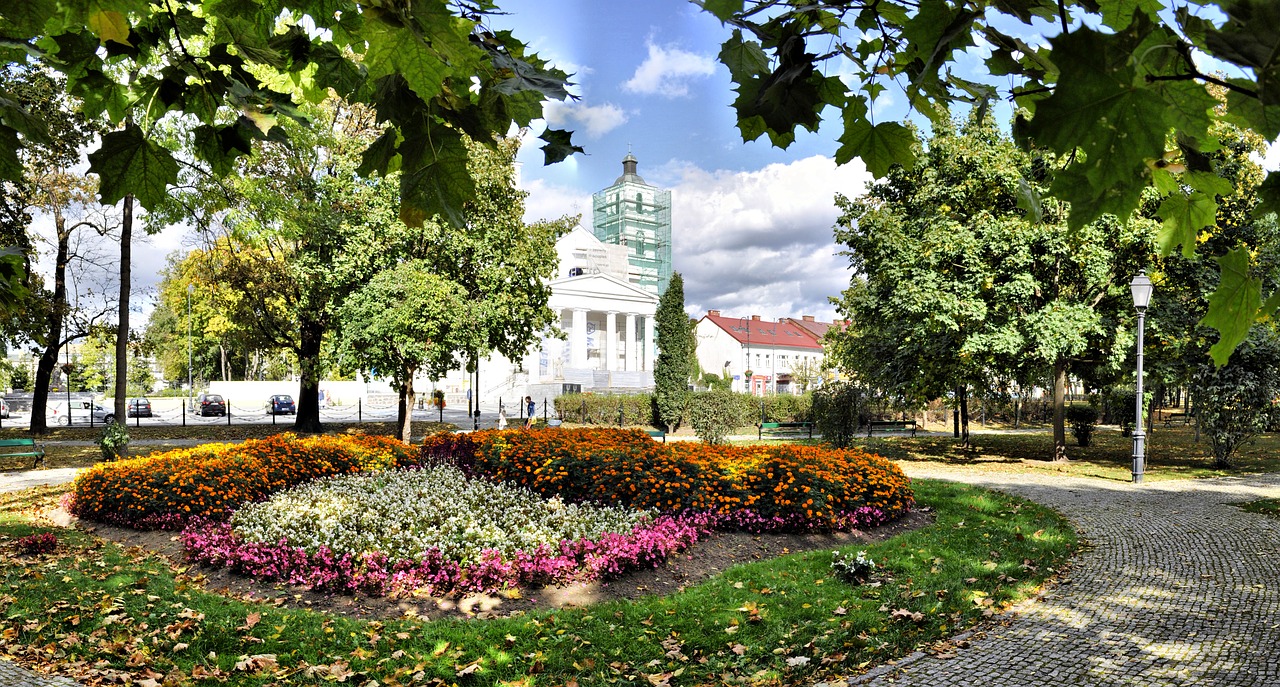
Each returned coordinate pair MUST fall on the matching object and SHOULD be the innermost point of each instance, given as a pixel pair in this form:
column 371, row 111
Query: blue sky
column 751, row 224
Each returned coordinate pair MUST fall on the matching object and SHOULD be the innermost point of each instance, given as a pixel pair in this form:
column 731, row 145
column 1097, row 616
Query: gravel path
column 1180, row 588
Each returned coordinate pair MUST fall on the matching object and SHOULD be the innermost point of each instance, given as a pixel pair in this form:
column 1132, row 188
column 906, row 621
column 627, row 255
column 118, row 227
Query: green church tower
column 634, row 214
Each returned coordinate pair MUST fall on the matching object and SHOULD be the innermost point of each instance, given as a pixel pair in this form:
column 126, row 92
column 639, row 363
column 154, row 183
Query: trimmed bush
column 1083, row 419
column 593, row 409
column 714, row 414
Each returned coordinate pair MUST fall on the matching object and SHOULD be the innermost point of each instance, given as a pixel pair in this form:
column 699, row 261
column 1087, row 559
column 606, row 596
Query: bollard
column 544, row 408
column 619, row 414
column 184, row 415
column 272, row 410
column 228, row 412
column 359, row 410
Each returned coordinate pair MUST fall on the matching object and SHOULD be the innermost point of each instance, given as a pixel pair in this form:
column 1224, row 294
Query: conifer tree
column 671, row 371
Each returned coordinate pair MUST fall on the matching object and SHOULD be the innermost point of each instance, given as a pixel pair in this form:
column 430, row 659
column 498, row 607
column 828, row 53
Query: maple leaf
column 738, row 649
column 257, row 663
column 148, row 682
column 908, row 615
column 250, row 620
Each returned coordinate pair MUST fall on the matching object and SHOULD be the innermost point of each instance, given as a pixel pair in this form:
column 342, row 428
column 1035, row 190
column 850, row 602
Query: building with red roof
column 761, row 356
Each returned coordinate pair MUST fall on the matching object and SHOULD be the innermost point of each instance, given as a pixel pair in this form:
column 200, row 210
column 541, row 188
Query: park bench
column 1176, row 419
column 657, row 434
column 891, row 426
column 783, row 428
column 22, row 448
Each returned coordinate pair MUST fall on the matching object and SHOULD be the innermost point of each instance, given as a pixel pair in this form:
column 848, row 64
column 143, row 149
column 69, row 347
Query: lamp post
column 1141, row 288
column 746, row 371
column 190, row 289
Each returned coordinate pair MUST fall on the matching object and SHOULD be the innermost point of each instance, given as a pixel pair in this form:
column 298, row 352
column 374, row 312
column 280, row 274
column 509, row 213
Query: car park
column 139, row 407
column 281, row 404
column 209, row 404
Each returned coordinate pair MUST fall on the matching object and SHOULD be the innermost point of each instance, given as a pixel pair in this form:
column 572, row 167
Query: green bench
column 657, row 434
column 22, row 448
column 890, row 427
column 783, row 428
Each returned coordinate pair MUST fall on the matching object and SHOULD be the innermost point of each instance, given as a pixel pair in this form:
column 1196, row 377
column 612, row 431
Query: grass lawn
column 1265, row 506
column 1172, row 453
column 127, row 616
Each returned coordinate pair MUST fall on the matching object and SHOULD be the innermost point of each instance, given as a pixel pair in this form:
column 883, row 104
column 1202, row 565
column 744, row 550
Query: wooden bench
column 22, row 448
column 1176, row 419
column 657, row 434
column 781, row 428
column 895, row 426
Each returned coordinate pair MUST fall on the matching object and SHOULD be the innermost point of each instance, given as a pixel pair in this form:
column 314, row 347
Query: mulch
column 706, row 559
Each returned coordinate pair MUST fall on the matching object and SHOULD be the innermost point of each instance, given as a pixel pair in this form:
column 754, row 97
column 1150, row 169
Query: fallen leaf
column 738, row 649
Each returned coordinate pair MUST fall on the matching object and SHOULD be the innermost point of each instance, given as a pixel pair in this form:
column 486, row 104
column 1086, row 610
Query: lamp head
column 1141, row 288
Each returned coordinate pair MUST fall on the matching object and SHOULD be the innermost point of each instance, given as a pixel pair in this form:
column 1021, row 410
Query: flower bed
column 758, row 488
column 166, row 490
column 431, row 529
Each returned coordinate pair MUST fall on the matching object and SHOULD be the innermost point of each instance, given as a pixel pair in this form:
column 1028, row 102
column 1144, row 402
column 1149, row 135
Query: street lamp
column 1141, row 288
column 746, row 371
column 190, row 289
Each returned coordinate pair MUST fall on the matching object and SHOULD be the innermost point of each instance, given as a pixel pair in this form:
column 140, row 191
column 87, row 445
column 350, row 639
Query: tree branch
column 1195, row 74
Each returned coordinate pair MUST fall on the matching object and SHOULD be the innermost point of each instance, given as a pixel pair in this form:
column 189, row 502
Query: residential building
column 760, row 356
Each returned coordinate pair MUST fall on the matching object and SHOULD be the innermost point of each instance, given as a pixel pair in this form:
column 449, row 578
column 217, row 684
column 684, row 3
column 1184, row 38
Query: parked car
column 139, row 407
column 4, row 408
column 81, row 413
column 209, row 404
column 281, row 404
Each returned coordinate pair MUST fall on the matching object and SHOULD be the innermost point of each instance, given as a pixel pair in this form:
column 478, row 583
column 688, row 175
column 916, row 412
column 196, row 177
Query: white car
column 4, row 409
column 81, row 412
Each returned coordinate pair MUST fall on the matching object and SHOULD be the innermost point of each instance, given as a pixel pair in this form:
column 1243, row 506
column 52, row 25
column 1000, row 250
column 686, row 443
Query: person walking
column 532, row 408
column 502, row 418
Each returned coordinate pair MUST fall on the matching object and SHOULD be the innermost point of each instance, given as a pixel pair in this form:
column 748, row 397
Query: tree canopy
column 233, row 69
column 1115, row 87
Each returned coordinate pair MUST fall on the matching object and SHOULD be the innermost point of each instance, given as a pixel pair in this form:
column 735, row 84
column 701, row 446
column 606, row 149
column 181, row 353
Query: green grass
column 1265, row 506
column 1171, row 453
column 121, row 610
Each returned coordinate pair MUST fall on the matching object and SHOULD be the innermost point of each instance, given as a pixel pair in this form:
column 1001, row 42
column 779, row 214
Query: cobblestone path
column 1180, row 588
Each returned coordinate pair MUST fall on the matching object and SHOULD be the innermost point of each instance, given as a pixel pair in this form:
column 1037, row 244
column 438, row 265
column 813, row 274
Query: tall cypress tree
column 671, row 372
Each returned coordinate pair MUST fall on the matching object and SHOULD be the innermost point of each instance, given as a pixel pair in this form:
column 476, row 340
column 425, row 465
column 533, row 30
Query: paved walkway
column 1180, row 588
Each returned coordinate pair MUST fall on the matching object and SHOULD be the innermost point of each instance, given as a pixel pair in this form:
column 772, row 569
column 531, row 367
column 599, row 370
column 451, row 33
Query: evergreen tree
column 671, row 372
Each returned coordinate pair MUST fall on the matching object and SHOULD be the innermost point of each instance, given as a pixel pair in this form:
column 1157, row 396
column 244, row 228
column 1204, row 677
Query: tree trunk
column 404, row 422
column 311, row 334
column 1017, row 409
column 1060, row 410
column 122, row 328
column 963, row 392
column 53, row 329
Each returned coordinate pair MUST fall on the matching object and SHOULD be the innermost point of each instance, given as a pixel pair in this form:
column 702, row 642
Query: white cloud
column 548, row 201
column 594, row 120
column 760, row 242
column 668, row 71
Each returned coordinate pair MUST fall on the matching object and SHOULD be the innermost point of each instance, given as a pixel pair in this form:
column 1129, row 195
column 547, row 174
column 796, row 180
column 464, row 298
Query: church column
column 647, row 349
column 630, row 350
column 611, row 340
column 578, row 339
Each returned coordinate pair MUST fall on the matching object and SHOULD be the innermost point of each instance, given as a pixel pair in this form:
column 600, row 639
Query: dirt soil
column 706, row 559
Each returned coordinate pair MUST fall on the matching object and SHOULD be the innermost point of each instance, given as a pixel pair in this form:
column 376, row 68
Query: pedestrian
column 502, row 418
column 533, row 408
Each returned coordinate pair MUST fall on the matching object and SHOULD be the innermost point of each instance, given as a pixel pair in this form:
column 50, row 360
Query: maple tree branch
column 1194, row 74
column 1062, row 14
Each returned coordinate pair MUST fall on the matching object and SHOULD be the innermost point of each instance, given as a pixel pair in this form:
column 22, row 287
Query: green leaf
column 1184, row 216
column 724, row 10
column 744, row 59
column 880, row 146
column 1209, row 182
column 1029, row 201
column 10, row 164
column 128, row 163
column 1250, row 112
column 26, row 18
column 1251, row 39
column 1119, row 13
column 434, row 178
column 377, row 158
column 1233, row 305
column 1268, row 195
column 394, row 49
column 1099, row 106
column 558, row 145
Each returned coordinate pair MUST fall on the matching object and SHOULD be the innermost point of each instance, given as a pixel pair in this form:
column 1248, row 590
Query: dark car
column 281, row 404
column 139, row 407
column 209, row 404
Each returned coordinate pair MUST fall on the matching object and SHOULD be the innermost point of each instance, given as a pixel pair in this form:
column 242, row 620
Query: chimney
column 713, row 313
column 755, row 318
column 807, row 318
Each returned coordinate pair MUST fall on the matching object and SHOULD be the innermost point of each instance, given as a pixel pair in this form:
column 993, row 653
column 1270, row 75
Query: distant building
column 769, row 351
column 636, row 215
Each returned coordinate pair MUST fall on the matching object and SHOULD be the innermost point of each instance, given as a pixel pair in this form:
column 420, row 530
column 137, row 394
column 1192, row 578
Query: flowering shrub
column 405, row 513
column 758, row 488
column 45, row 542
column 854, row 569
column 164, row 491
